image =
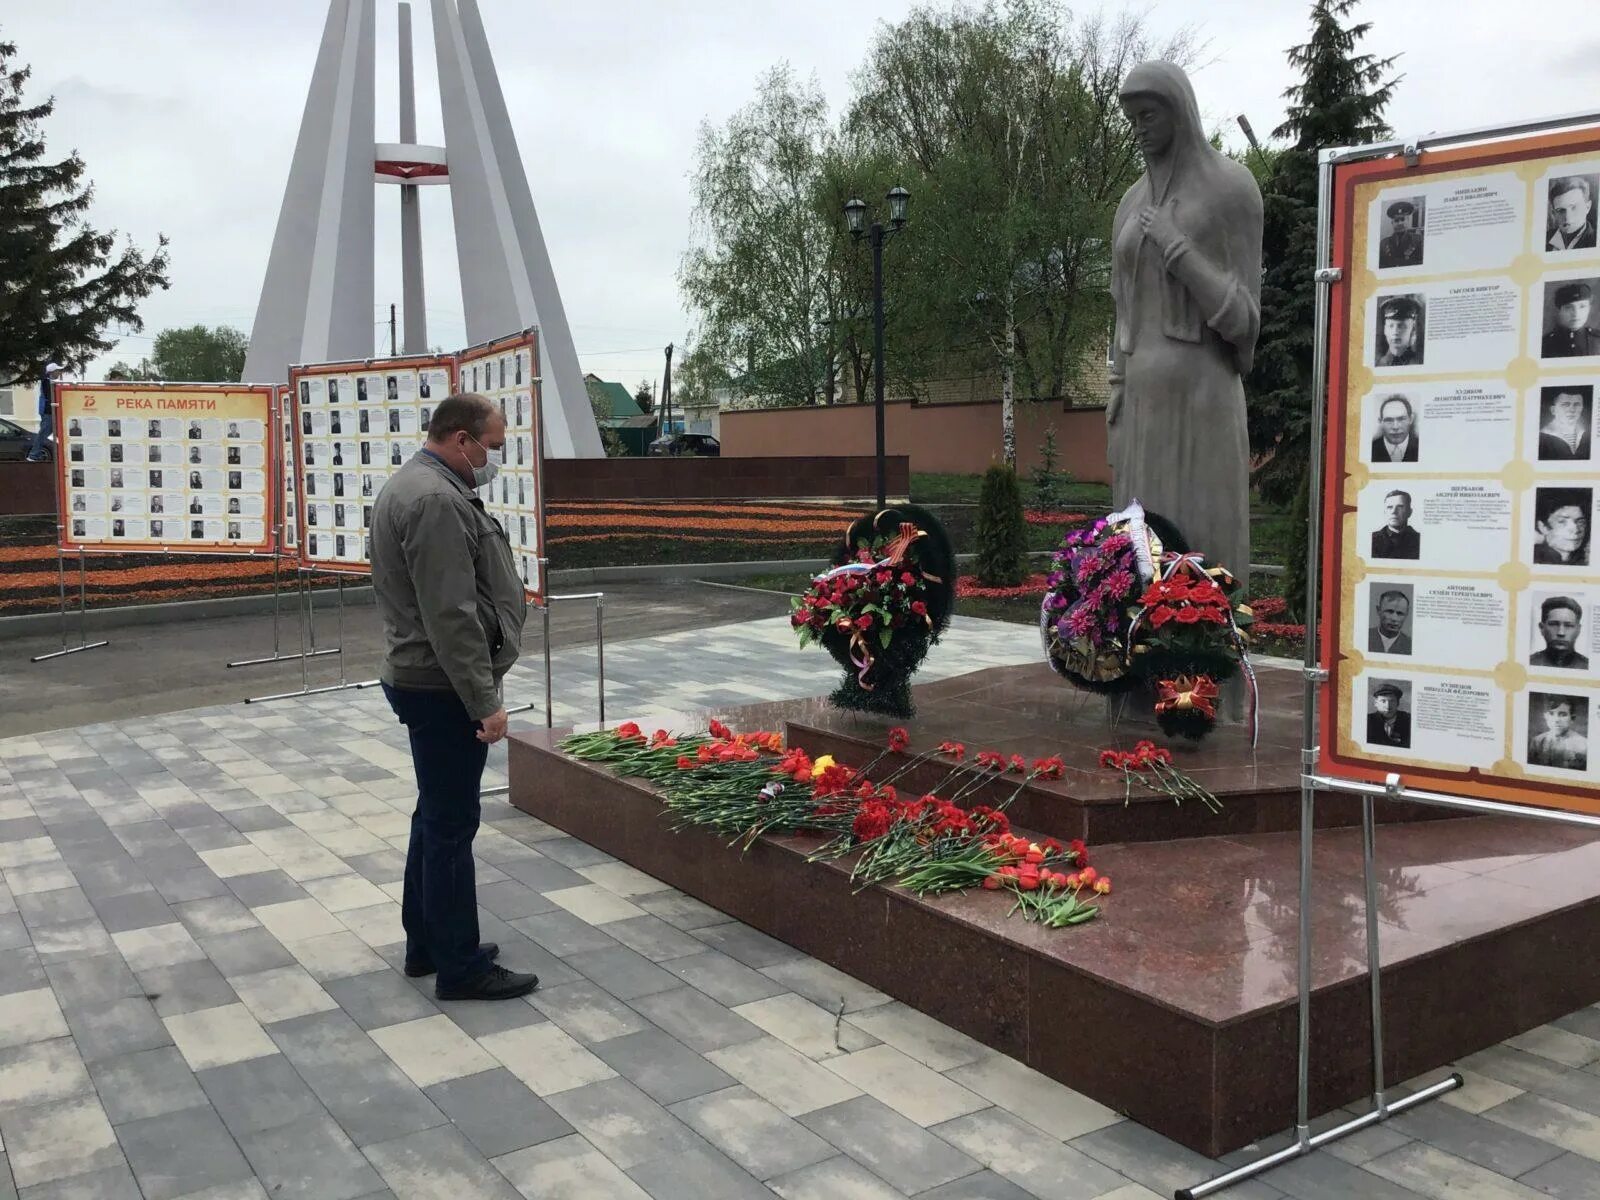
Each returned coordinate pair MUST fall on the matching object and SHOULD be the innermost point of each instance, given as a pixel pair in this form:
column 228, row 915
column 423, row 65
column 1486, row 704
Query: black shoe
column 496, row 983
column 419, row 969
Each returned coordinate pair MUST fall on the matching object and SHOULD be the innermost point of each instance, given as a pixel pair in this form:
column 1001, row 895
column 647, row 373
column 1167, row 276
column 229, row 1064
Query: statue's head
column 1159, row 103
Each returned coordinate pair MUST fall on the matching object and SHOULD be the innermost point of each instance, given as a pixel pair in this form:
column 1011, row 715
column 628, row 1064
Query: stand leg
column 83, row 611
column 305, row 628
column 1370, row 873
column 341, row 630
column 549, row 709
column 61, row 584
column 600, row 653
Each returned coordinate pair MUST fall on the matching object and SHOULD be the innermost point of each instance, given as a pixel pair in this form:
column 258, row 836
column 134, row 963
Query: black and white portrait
column 1569, row 213
column 1558, row 731
column 1401, row 233
column 1400, row 333
column 1397, row 538
column 1389, row 713
column 1569, row 331
column 1389, row 621
column 1566, row 422
column 1561, row 520
column 1558, row 633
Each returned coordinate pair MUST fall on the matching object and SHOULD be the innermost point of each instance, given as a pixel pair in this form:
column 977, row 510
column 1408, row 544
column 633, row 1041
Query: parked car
column 15, row 441
column 701, row 445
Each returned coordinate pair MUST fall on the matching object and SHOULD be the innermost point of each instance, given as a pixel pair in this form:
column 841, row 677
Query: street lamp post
column 855, row 215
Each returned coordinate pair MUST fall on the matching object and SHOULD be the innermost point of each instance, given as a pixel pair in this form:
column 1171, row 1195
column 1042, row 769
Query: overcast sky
column 186, row 112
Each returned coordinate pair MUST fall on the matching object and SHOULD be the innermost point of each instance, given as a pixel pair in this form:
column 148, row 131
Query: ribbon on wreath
column 1188, row 693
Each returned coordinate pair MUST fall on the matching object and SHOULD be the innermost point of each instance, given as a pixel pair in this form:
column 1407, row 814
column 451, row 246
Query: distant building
column 616, row 410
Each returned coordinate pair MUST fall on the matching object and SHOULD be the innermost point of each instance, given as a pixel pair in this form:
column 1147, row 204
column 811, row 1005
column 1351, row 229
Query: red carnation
column 920, row 608
column 719, row 730
column 899, row 739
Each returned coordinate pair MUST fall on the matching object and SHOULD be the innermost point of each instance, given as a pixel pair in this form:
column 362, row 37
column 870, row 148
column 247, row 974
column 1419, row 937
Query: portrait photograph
column 333, row 390
column 392, row 388
column 116, row 477
column 158, row 529
column 305, row 392
column 156, row 478
column 1388, row 620
column 74, row 428
column 235, row 479
column 361, row 389
column 1569, row 328
column 424, row 388
column 1558, row 633
column 1566, row 422
column 1389, row 713
column 1569, row 213
column 153, row 429
column 79, row 527
column 1396, row 539
column 1561, row 523
column 75, row 452
column 1558, row 731
column 118, row 528
column 114, row 428
column 197, row 530
column 1400, row 230
column 1399, row 337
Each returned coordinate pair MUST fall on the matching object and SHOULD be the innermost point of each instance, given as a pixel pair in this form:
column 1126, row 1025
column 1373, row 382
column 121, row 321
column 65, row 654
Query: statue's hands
column 1114, row 405
column 1159, row 227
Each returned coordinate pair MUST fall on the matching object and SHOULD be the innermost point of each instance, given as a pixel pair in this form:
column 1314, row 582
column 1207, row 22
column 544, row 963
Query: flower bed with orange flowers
column 744, row 785
column 618, row 533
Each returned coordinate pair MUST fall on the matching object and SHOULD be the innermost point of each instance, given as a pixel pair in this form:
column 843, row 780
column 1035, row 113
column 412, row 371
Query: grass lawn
column 934, row 489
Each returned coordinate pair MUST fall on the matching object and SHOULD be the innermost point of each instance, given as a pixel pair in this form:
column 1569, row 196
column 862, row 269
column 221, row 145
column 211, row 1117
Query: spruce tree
column 64, row 283
column 1339, row 101
column 1002, row 533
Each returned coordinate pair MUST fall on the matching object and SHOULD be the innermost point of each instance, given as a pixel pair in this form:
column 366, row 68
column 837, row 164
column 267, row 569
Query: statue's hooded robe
column 1187, row 322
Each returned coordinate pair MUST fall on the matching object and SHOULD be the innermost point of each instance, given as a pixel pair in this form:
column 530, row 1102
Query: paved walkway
column 199, row 936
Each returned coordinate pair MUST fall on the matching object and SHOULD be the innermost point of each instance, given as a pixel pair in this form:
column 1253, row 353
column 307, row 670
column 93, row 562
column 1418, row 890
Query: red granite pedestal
column 1177, row 1006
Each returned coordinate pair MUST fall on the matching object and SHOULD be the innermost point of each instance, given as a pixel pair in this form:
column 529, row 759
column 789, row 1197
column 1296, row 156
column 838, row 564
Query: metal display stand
column 307, row 610
column 1315, row 677
column 277, row 654
column 83, row 605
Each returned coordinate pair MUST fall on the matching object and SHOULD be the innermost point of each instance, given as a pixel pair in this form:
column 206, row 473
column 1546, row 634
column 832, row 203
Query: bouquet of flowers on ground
column 1129, row 605
column 882, row 606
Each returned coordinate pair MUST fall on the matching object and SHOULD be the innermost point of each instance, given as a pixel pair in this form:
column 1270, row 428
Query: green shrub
column 1002, row 530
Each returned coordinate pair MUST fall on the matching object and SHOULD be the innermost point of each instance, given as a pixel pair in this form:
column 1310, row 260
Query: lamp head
column 855, row 216
column 899, row 207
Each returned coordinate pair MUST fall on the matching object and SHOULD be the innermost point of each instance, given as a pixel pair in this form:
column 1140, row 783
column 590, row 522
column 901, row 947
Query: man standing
column 1570, row 336
column 1395, row 441
column 1571, row 206
column 1388, row 724
column 1397, row 539
column 1388, row 636
column 1560, row 620
column 1398, row 318
column 446, row 585
column 1403, row 247
column 44, row 439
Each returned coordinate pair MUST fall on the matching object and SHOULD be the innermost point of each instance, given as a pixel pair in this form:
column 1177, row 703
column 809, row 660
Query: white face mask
column 496, row 459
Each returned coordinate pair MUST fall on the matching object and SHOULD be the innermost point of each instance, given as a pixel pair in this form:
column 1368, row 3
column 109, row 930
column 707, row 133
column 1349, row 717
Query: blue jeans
column 440, row 904
column 42, row 441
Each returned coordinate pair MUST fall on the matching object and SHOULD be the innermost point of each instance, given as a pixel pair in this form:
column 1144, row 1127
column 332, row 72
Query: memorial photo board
column 288, row 500
column 1460, row 606
column 507, row 372
column 167, row 467
column 354, row 424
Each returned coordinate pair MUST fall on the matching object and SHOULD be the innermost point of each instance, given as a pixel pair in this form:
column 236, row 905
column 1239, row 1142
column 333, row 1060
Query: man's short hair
column 1398, row 492
column 1388, row 400
column 1570, row 183
column 1552, row 603
column 1382, row 596
column 464, row 411
column 1551, row 703
column 1583, row 391
column 1549, row 501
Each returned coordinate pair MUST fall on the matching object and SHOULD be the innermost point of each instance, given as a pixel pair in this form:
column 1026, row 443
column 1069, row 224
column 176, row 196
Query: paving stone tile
column 381, row 998
column 567, row 1168
column 722, row 978
column 1433, row 1172
column 587, row 1012
column 561, row 933
column 281, row 993
column 1559, row 1125
column 480, row 1020
column 497, row 1113
column 1028, row 1157
column 1035, row 1097
column 40, row 1072
column 654, row 938
column 117, row 1183
column 840, row 1178
column 749, row 946
column 905, row 1085
column 258, row 1094
column 1501, row 1148
column 116, row 1027
column 13, row 932
column 893, row 1148
column 681, row 911
column 120, row 876
column 696, row 1020
column 178, row 886
column 366, row 1093
column 570, row 852
column 335, row 955
column 622, row 1122
column 985, row 1185
column 510, row 899
column 24, row 972
column 135, row 910
column 214, row 1037
column 383, row 866
column 46, row 1142
column 31, row 1016
column 782, row 1076
column 702, row 1173
column 1478, row 1093
column 1319, row 1176
column 70, row 940
column 439, row 1164
column 624, row 973
column 147, row 1083
column 186, row 987
column 310, row 1159
column 661, row 1066
column 825, row 986
column 623, row 880
column 930, row 1042
column 158, row 946
column 1580, row 1089
column 55, row 906
column 1570, row 1177
column 265, row 887
column 797, row 1022
column 179, row 1153
column 546, row 1058
column 49, row 876
column 751, row 1132
column 245, row 952
column 1159, row 1163
column 1552, row 1042
column 216, row 915
column 297, row 920
column 432, row 1050
column 336, row 893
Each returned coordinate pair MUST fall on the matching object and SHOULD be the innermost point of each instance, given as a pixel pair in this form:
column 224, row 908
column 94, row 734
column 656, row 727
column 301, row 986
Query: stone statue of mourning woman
column 1186, row 282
